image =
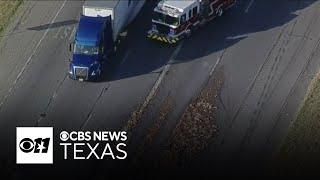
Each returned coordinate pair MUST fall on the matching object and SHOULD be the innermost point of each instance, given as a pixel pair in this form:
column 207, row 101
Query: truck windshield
column 87, row 50
column 165, row 19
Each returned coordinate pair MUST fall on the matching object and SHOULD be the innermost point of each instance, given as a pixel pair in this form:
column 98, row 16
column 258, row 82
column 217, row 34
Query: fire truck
column 176, row 19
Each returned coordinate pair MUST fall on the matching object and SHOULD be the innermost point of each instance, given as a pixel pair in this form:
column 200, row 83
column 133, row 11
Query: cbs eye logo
column 38, row 145
column 34, row 145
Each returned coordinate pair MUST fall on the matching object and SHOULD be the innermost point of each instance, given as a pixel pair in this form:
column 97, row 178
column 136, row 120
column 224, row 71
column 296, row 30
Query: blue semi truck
column 97, row 35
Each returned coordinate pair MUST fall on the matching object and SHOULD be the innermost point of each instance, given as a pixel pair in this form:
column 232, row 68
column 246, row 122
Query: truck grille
column 163, row 29
column 81, row 72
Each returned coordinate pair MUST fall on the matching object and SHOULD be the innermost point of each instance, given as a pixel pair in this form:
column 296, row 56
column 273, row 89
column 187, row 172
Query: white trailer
column 122, row 12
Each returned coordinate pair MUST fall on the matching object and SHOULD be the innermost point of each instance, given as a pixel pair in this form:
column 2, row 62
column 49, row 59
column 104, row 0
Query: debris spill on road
column 154, row 130
column 196, row 127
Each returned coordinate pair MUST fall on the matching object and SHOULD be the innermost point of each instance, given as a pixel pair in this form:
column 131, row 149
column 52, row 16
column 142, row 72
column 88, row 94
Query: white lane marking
column 160, row 78
column 32, row 54
column 65, row 32
column 72, row 34
column 217, row 63
column 249, row 6
column 237, row 37
column 58, row 32
column 125, row 57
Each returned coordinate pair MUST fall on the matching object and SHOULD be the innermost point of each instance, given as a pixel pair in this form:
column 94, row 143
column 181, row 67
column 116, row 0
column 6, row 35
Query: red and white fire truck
column 175, row 19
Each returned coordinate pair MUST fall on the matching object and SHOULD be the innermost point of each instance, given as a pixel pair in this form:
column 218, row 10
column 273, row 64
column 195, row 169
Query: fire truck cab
column 175, row 19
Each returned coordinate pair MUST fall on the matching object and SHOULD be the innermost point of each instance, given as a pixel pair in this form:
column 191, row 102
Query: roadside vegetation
column 299, row 152
column 7, row 10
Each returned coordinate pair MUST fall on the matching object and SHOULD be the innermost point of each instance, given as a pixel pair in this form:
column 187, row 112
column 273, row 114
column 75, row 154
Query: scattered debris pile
column 196, row 127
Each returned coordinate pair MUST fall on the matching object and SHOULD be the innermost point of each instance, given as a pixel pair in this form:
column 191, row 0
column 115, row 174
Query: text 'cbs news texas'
column 35, row 145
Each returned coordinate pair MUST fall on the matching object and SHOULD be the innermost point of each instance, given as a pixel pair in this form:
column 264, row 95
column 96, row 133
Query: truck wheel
column 220, row 12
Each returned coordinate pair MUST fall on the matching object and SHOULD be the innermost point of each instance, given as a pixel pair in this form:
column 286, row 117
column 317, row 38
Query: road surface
column 266, row 50
column 267, row 55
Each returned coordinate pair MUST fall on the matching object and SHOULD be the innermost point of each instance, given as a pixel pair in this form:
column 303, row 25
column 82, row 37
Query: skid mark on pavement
column 265, row 95
column 284, row 104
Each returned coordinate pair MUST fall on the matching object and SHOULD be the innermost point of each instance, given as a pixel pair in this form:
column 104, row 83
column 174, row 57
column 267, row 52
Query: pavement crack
column 51, row 99
column 90, row 113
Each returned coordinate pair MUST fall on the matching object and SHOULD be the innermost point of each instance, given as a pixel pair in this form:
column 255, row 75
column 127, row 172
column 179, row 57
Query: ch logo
column 34, row 145
column 38, row 145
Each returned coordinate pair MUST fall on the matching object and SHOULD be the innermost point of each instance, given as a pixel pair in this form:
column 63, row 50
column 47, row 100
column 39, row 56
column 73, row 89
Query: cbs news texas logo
column 34, row 145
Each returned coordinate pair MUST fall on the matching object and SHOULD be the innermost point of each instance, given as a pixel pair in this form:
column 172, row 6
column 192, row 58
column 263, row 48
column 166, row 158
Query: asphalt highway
column 35, row 90
column 267, row 51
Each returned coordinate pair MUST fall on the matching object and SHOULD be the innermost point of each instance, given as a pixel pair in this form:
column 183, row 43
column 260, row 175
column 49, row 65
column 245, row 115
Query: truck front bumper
column 81, row 79
column 162, row 38
column 89, row 75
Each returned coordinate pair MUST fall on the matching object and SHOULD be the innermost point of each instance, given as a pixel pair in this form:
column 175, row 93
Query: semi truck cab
column 100, row 27
column 91, row 47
